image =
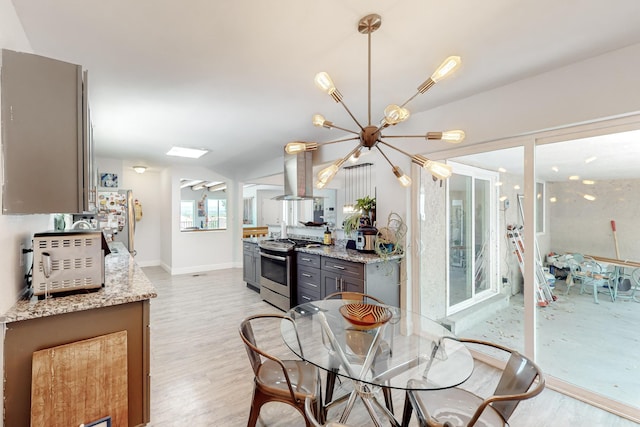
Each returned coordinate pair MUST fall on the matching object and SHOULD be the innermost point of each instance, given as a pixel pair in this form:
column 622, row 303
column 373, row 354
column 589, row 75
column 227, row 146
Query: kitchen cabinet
column 318, row 276
column 251, row 265
column 23, row 338
column 309, row 277
column 341, row 276
column 46, row 136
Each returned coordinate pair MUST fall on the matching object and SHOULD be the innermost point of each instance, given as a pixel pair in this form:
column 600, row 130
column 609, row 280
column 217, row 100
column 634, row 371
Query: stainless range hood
column 298, row 176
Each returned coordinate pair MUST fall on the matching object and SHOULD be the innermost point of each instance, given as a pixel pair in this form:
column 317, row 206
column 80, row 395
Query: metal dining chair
column 457, row 407
column 276, row 380
column 360, row 342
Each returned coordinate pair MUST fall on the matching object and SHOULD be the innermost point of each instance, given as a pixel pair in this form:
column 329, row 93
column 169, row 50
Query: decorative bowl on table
column 365, row 316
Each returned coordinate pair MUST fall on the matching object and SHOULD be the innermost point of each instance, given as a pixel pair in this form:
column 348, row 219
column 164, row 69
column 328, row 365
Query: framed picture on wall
column 108, row 180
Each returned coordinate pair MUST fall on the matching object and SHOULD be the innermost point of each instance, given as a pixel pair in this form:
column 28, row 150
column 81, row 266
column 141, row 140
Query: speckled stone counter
column 341, row 252
column 338, row 251
column 124, row 283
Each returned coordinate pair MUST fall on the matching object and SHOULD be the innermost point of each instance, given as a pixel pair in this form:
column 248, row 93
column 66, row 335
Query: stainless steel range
column 278, row 271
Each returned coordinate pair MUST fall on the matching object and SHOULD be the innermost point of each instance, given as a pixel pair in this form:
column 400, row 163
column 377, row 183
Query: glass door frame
column 528, row 143
column 493, row 276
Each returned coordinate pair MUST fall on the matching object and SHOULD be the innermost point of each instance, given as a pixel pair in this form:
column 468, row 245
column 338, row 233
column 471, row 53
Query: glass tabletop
column 407, row 346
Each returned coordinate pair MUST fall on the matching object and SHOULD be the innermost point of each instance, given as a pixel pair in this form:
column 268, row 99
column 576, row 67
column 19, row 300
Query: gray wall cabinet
column 46, row 136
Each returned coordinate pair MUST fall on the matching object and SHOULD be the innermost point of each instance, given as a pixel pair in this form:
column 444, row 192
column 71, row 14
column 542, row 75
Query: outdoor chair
column 457, row 407
column 595, row 278
column 276, row 380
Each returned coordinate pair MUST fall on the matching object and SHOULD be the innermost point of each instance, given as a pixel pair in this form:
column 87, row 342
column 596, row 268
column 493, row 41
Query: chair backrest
column 515, row 382
column 574, row 266
column 516, row 378
column 249, row 339
column 355, row 296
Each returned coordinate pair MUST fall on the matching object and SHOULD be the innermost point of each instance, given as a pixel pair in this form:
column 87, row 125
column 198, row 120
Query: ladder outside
column 544, row 294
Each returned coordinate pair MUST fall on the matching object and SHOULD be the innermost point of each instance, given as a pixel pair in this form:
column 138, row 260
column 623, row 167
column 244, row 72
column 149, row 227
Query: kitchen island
column 121, row 305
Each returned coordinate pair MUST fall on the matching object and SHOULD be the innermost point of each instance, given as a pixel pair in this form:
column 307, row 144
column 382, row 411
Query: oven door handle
column 278, row 258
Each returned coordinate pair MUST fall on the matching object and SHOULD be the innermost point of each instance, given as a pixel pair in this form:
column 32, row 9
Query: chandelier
column 371, row 136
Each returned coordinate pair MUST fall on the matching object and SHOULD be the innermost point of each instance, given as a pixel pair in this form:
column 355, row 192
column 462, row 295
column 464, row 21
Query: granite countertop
column 124, row 283
column 341, row 252
column 338, row 251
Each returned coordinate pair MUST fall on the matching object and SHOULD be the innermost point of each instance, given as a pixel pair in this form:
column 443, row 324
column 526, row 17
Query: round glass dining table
column 407, row 346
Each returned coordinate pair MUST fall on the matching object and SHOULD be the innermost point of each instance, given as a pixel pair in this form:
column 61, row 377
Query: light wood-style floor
column 200, row 373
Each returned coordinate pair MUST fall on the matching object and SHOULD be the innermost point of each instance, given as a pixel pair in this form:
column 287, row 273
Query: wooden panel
column 87, row 379
column 24, row 338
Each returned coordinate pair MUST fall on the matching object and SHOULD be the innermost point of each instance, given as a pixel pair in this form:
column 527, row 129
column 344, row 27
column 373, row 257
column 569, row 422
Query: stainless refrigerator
column 116, row 217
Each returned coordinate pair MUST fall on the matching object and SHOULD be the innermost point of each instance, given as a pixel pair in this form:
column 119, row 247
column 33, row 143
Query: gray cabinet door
column 42, row 135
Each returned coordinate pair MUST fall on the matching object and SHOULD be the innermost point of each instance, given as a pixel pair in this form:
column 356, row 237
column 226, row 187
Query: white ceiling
column 236, row 77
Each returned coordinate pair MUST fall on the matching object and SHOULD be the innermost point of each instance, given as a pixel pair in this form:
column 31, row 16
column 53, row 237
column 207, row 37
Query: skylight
column 192, row 153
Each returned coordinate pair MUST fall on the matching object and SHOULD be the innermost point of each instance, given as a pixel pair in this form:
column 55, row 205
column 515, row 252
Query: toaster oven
column 70, row 260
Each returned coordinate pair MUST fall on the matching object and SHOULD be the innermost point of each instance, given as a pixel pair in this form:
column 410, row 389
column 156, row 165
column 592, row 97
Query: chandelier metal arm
column 332, row 126
column 355, row 138
column 395, row 148
column 352, row 116
column 385, row 156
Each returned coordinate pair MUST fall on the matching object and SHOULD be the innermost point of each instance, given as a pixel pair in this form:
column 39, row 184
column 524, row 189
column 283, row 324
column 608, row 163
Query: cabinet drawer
column 311, row 260
column 309, row 278
column 249, row 247
column 354, row 269
column 306, row 296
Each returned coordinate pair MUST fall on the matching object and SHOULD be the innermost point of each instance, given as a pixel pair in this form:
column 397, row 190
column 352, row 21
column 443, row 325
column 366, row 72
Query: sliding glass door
column 471, row 211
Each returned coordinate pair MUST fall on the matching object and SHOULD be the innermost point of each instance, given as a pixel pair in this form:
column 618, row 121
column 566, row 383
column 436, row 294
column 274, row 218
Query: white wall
column 146, row 189
column 579, row 225
column 198, row 251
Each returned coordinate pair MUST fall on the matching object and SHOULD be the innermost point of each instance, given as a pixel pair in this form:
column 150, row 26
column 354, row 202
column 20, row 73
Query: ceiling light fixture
column 140, row 169
column 192, row 153
column 371, row 136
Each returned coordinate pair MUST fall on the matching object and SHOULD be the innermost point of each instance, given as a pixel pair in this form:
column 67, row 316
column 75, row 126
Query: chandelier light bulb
column 294, row 147
column 445, row 69
column 451, row 136
column 318, row 120
column 437, row 169
column 324, row 83
column 355, row 156
column 405, row 181
column 395, row 114
column 327, row 174
column 298, row 147
column 320, row 185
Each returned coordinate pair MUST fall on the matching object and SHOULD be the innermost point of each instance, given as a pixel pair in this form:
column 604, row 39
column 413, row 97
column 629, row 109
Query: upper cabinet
column 46, row 136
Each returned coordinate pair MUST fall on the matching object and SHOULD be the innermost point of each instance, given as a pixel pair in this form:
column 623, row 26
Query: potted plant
column 351, row 224
column 367, row 207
